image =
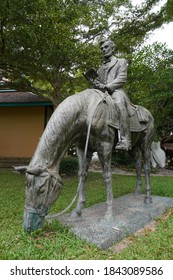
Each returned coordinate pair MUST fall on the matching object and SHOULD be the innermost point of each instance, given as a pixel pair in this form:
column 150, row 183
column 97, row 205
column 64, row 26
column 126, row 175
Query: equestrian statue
column 99, row 119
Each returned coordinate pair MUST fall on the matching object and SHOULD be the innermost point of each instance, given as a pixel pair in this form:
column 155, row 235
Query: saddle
column 139, row 121
column 138, row 118
column 138, row 115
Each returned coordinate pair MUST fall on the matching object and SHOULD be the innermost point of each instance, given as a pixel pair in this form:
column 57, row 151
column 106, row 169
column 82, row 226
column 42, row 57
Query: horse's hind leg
column 136, row 155
column 146, row 156
column 82, row 175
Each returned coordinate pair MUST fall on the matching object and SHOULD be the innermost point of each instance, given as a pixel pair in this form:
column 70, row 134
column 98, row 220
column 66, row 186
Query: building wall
column 20, row 130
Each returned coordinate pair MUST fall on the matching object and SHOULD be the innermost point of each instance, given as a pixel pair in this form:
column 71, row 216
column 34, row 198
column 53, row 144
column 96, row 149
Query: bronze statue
column 84, row 119
column 112, row 76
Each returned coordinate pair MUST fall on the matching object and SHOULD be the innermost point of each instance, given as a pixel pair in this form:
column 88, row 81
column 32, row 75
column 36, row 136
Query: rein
column 103, row 99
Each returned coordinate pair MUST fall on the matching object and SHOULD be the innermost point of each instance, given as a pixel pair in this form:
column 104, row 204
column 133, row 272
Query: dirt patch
column 129, row 240
column 151, row 227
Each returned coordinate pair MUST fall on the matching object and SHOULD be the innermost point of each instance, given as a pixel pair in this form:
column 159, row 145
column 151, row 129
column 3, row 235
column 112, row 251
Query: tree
column 150, row 84
column 47, row 44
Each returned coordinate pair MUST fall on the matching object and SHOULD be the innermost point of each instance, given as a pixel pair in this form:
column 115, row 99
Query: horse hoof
column 109, row 217
column 75, row 214
column 148, row 200
column 137, row 192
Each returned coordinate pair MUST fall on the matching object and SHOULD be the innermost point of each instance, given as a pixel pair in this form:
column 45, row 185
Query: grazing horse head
column 42, row 189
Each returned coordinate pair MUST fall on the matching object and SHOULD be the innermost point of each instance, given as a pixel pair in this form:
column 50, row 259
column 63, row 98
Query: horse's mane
column 69, row 118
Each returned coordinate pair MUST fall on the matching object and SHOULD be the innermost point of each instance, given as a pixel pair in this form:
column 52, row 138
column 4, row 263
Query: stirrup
column 124, row 145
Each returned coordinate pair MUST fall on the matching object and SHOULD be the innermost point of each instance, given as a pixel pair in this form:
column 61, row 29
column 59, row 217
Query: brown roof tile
column 20, row 97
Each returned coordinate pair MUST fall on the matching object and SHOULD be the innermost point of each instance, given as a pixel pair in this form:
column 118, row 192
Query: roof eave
column 26, row 104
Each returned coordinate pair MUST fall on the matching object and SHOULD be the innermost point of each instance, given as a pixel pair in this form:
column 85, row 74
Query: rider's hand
column 98, row 85
column 95, row 83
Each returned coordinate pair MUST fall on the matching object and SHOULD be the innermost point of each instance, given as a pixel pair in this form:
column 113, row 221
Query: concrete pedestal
column 130, row 215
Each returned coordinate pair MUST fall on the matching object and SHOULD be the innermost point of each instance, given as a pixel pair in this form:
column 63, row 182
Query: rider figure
column 112, row 76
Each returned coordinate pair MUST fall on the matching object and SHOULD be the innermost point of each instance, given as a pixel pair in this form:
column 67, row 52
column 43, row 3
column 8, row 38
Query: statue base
column 130, row 215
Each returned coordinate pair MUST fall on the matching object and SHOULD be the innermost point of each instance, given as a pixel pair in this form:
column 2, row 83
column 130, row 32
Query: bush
column 121, row 158
column 69, row 165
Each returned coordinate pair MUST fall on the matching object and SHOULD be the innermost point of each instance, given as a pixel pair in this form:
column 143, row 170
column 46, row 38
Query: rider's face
column 106, row 49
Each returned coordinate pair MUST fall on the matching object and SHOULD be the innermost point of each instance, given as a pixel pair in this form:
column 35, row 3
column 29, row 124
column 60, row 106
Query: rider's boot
column 124, row 144
column 125, row 135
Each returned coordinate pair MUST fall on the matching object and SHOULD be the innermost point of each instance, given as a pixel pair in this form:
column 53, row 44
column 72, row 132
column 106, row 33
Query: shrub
column 121, row 158
column 69, row 165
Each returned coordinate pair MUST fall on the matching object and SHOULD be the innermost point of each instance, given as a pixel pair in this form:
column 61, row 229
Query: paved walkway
column 125, row 171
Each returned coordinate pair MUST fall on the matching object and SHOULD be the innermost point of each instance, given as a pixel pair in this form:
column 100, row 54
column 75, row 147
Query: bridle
column 43, row 212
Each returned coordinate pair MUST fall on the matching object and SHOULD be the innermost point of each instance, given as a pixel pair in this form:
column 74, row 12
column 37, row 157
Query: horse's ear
column 35, row 171
column 20, row 169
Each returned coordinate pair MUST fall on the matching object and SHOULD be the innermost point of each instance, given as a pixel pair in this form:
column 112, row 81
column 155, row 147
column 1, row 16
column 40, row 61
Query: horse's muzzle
column 32, row 220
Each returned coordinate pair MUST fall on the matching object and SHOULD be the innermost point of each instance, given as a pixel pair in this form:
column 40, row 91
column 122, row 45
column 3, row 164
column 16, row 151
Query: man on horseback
column 112, row 76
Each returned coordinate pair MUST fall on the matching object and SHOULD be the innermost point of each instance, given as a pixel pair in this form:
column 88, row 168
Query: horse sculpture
column 88, row 119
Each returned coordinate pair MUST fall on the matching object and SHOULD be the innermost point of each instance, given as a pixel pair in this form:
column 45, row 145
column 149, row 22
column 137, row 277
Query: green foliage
column 135, row 22
column 69, row 165
column 46, row 43
column 56, row 242
column 150, row 83
column 121, row 158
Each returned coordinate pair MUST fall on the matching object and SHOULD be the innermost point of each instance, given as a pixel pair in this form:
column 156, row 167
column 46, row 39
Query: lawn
column 55, row 241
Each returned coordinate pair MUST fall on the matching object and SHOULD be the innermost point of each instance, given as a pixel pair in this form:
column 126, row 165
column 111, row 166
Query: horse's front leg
column 82, row 175
column 107, row 178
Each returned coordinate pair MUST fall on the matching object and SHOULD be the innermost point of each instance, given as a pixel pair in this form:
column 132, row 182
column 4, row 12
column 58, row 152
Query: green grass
column 55, row 241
